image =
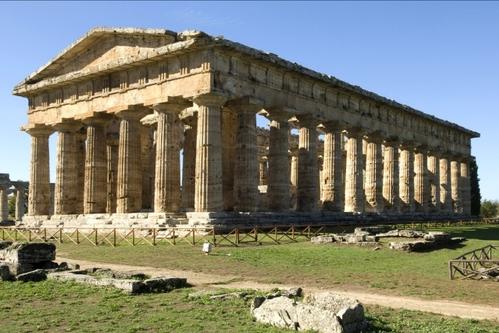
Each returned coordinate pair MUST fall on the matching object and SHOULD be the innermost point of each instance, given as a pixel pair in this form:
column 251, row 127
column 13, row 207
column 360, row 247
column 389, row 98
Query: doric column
column 406, row 178
column 229, row 143
column 391, row 176
column 80, row 165
column 308, row 173
column 20, row 202
column 465, row 187
column 4, row 203
column 66, row 190
column 94, row 194
column 208, row 195
column 445, row 185
column 434, row 181
column 455, row 180
column 332, row 186
column 148, row 154
column 167, row 195
column 129, row 180
column 421, row 185
column 246, row 167
column 189, row 162
column 354, row 192
column 112, row 171
column 39, row 183
column 262, row 171
column 279, row 176
column 374, row 174
column 293, row 175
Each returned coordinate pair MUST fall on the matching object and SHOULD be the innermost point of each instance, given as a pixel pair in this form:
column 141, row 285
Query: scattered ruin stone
column 5, row 274
column 131, row 283
column 5, row 244
column 26, row 257
column 370, row 236
column 33, row 276
column 322, row 312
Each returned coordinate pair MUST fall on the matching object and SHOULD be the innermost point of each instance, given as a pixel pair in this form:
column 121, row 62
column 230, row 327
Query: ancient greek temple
column 158, row 127
column 16, row 188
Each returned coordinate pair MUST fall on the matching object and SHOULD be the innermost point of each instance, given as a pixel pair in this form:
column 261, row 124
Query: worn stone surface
column 33, row 276
column 323, row 312
column 125, row 73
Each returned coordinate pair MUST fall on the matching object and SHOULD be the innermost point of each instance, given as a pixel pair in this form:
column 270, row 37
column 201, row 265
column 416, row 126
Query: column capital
column 375, row 136
column 406, row 144
column 308, row 120
column 421, row 148
column 173, row 104
column 37, row 130
column 332, row 126
column 132, row 112
column 95, row 119
column 391, row 141
column 211, row 99
column 355, row 131
column 68, row 125
column 280, row 113
column 246, row 104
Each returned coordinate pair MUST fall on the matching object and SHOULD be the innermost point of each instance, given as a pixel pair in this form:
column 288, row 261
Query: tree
column 12, row 206
column 475, row 196
column 489, row 208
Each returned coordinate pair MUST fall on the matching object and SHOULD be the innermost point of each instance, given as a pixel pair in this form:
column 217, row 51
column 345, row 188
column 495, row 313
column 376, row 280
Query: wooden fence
column 474, row 264
column 169, row 235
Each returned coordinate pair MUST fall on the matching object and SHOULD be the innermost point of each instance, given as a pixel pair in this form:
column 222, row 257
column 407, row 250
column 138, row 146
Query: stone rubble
column 370, row 236
column 323, row 312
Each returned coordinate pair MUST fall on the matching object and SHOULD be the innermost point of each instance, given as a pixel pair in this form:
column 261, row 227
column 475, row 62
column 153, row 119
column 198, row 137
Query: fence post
column 114, row 237
column 133, row 236
column 214, row 236
column 193, row 235
column 29, row 235
column 154, row 236
column 96, row 238
column 60, row 236
column 173, row 235
column 237, row 236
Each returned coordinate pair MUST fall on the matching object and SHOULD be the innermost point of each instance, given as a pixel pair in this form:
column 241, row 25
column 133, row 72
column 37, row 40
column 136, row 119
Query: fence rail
column 169, row 235
column 474, row 264
column 237, row 236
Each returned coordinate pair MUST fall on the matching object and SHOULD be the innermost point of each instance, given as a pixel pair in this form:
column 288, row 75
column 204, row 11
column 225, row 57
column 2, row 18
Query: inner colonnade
column 164, row 124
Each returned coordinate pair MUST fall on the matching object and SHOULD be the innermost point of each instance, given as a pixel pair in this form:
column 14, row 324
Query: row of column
column 19, row 204
column 222, row 172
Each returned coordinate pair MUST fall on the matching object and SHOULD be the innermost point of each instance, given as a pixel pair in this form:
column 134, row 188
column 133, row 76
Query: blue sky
column 439, row 57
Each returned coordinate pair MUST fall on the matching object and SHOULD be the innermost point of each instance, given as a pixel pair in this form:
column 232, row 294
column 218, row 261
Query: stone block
column 33, row 276
column 5, row 274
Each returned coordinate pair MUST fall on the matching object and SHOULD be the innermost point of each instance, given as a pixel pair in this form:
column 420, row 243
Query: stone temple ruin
column 158, row 126
column 17, row 188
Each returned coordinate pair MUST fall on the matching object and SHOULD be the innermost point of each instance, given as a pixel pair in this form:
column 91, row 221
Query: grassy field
column 67, row 307
column 335, row 266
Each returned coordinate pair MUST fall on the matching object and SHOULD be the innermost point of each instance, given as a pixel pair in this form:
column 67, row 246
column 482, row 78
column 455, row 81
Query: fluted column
column 112, row 171
column 434, row 181
column 391, row 176
column 308, row 172
column 406, row 178
column 208, row 195
column 39, row 183
column 129, row 179
column 246, row 167
column 455, row 180
column 189, row 163
column 354, row 192
column 465, row 187
column 94, row 195
column 262, row 171
column 374, row 174
column 229, row 143
column 332, row 186
column 66, row 190
column 279, row 175
column 445, row 185
column 421, row 185
column 80, row 165
column 4, row 203
column 20, row 202
column 147, row 165
column 167, row 195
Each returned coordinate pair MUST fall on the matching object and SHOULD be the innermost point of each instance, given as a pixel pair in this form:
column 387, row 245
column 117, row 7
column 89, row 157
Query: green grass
column 51, row 306
column 331, row 266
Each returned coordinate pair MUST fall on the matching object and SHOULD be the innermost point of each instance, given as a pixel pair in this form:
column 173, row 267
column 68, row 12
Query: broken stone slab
column 131, row 286
column 28, row 253
column 322, row 239
column 323, row 312
column 5, row 244
column 33, row 276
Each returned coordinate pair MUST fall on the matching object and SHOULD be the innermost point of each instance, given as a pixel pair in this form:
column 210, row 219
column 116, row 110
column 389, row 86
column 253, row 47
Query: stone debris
column 132, row 283
column 27, row 261
column 322, row 312
column 370, row 236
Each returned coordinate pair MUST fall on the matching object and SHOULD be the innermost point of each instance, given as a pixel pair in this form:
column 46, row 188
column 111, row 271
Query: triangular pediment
column 102, row 47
